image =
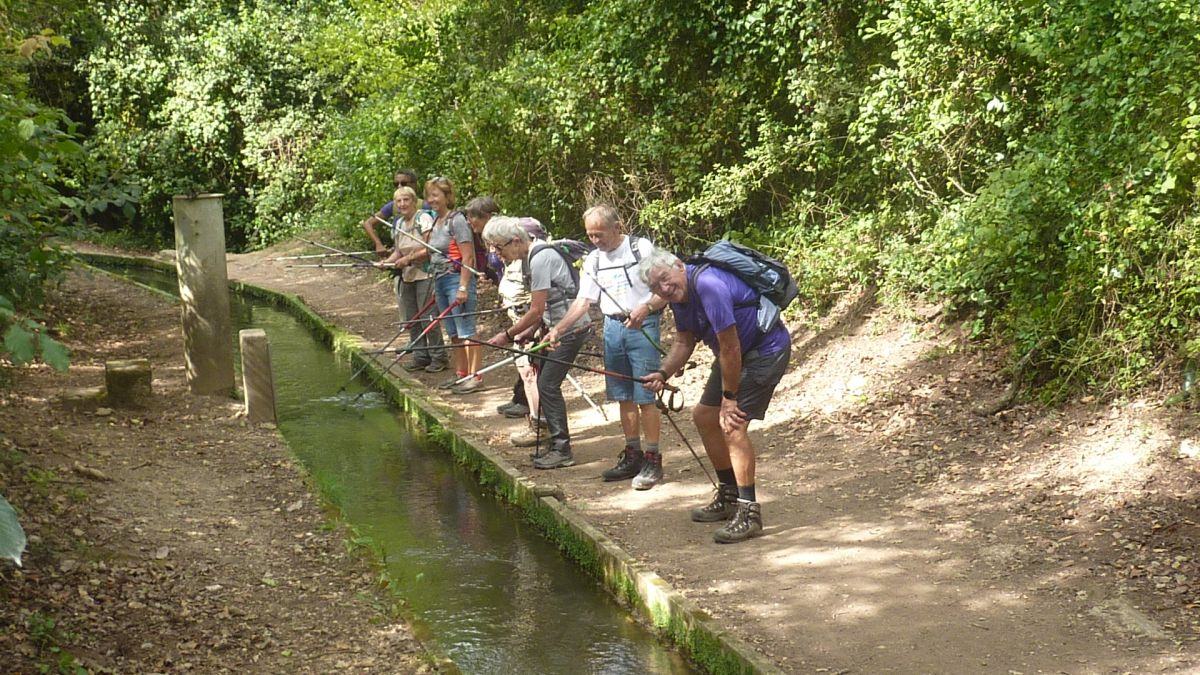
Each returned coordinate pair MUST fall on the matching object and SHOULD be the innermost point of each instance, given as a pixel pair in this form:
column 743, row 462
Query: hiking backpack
column 765, row 275
column 569, row 250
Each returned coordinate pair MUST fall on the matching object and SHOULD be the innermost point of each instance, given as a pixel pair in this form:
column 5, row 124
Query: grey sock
column 633, row 443
column 651, row 448
column 746, row 493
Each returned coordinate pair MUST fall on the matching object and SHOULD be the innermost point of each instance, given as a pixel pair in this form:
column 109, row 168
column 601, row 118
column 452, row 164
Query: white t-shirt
column 617, row 271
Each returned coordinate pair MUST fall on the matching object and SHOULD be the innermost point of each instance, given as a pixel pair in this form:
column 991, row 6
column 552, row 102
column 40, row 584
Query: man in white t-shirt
column 631, row 339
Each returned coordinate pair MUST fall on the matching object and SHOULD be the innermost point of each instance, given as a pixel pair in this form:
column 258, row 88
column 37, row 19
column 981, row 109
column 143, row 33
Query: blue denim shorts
column 627, row 351
column 445, row 288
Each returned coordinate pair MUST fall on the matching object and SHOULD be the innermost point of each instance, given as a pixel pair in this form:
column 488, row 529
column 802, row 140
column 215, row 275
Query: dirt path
column 905, row 532
column 174, row 538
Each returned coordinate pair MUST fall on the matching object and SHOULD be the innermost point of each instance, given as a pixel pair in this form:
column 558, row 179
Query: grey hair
column 658, row 257
column 607, row 215
column 482, row 207
column 502, row 229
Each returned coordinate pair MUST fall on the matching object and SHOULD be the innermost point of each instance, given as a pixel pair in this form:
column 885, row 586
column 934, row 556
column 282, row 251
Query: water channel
column 494, row 595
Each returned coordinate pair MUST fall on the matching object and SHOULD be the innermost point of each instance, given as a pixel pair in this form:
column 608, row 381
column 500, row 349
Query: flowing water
column 492, row 594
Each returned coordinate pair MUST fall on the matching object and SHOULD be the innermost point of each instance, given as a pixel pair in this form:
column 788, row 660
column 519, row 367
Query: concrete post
column 204, row 288
column 257, row 380
column 127, row 383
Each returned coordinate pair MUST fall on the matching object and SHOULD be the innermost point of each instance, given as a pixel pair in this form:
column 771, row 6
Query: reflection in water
column 495, row 596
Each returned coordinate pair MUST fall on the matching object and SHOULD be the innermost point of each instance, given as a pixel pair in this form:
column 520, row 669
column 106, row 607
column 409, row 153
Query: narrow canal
column 483, row 585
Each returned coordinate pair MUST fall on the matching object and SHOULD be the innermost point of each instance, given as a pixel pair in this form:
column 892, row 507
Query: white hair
column 658, row 257
column 608, row 216
column 502, row 229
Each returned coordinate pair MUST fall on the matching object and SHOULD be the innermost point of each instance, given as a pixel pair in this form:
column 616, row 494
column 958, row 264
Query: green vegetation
column 1030, row 164
column 48, row 637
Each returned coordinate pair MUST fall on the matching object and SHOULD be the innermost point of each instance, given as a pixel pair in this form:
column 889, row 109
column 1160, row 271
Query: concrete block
column 257, row 380
column 127, row 383
column 82, row 399
column 204, row 291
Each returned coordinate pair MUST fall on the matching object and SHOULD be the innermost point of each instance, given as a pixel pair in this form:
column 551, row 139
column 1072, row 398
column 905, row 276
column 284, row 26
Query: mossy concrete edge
column 691, row 629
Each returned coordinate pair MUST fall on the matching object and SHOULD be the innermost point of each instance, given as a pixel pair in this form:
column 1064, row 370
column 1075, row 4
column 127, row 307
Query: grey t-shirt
column 454, row 228
column 548, row 272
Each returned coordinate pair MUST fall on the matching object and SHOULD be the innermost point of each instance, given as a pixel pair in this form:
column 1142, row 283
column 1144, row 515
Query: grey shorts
column 760, row 376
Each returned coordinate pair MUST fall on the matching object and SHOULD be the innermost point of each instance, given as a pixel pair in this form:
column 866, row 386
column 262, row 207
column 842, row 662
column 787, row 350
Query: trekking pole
column 479, row 313
column 572, row 364
column 671, row 418
column 319, row 255
column 337, row 251
column 403, row 327
column 512, row 359
column 411, row 345
column 584, row 394
column 668, row 406
column 353, row 264
column 410, row 350
column 498, row 364
column 427, row 245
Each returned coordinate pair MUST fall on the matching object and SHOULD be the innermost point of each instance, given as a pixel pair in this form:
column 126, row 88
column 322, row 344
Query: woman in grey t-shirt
column 450, row 266
column 551, row 287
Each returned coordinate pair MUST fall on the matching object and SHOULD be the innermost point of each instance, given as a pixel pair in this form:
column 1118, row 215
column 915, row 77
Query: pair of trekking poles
column 669, row 404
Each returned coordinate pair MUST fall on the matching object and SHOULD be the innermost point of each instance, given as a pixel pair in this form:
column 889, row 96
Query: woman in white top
column 414, row 284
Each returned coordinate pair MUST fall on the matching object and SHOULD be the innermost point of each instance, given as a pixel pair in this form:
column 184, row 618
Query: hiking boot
column 414, row 366
column 529, row 437
column 515, row 410
column 526, row 439
column 450, row 384
column 651, row 473
column 746, row 523
column 628, row 466
column 467, row 387
column 436, row 367
column 722, row 507
column 555, row 459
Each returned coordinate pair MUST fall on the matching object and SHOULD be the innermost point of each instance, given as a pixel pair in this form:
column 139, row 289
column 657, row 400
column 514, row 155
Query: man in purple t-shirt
column 715, row 306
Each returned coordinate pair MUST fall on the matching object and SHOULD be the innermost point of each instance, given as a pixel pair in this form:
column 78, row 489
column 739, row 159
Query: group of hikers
column 438, row 256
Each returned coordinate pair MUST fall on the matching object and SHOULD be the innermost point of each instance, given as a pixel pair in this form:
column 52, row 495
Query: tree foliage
column 1032, row 164
column 37, row 149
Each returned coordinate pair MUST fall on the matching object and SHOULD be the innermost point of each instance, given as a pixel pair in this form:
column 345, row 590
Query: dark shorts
column 760, row 376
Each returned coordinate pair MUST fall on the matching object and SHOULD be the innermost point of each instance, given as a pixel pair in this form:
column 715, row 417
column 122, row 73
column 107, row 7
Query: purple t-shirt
column 720, row 300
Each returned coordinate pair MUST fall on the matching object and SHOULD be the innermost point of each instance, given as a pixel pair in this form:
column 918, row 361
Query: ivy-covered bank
column 1029, row 165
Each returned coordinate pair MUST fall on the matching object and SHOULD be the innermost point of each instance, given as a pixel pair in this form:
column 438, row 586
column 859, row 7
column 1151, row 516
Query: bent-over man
column 715, row 306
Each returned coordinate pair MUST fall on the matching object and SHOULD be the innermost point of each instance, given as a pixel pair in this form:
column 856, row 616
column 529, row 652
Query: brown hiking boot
column 722, row 507
column 628, row 466
column 746, row 523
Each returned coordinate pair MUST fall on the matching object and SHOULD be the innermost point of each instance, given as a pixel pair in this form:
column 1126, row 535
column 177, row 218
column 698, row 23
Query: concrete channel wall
column 677, row 619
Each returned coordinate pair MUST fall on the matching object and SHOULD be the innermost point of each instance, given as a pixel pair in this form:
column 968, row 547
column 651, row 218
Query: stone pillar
column 257, row 380
column 204, row 289
column 127, row 383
